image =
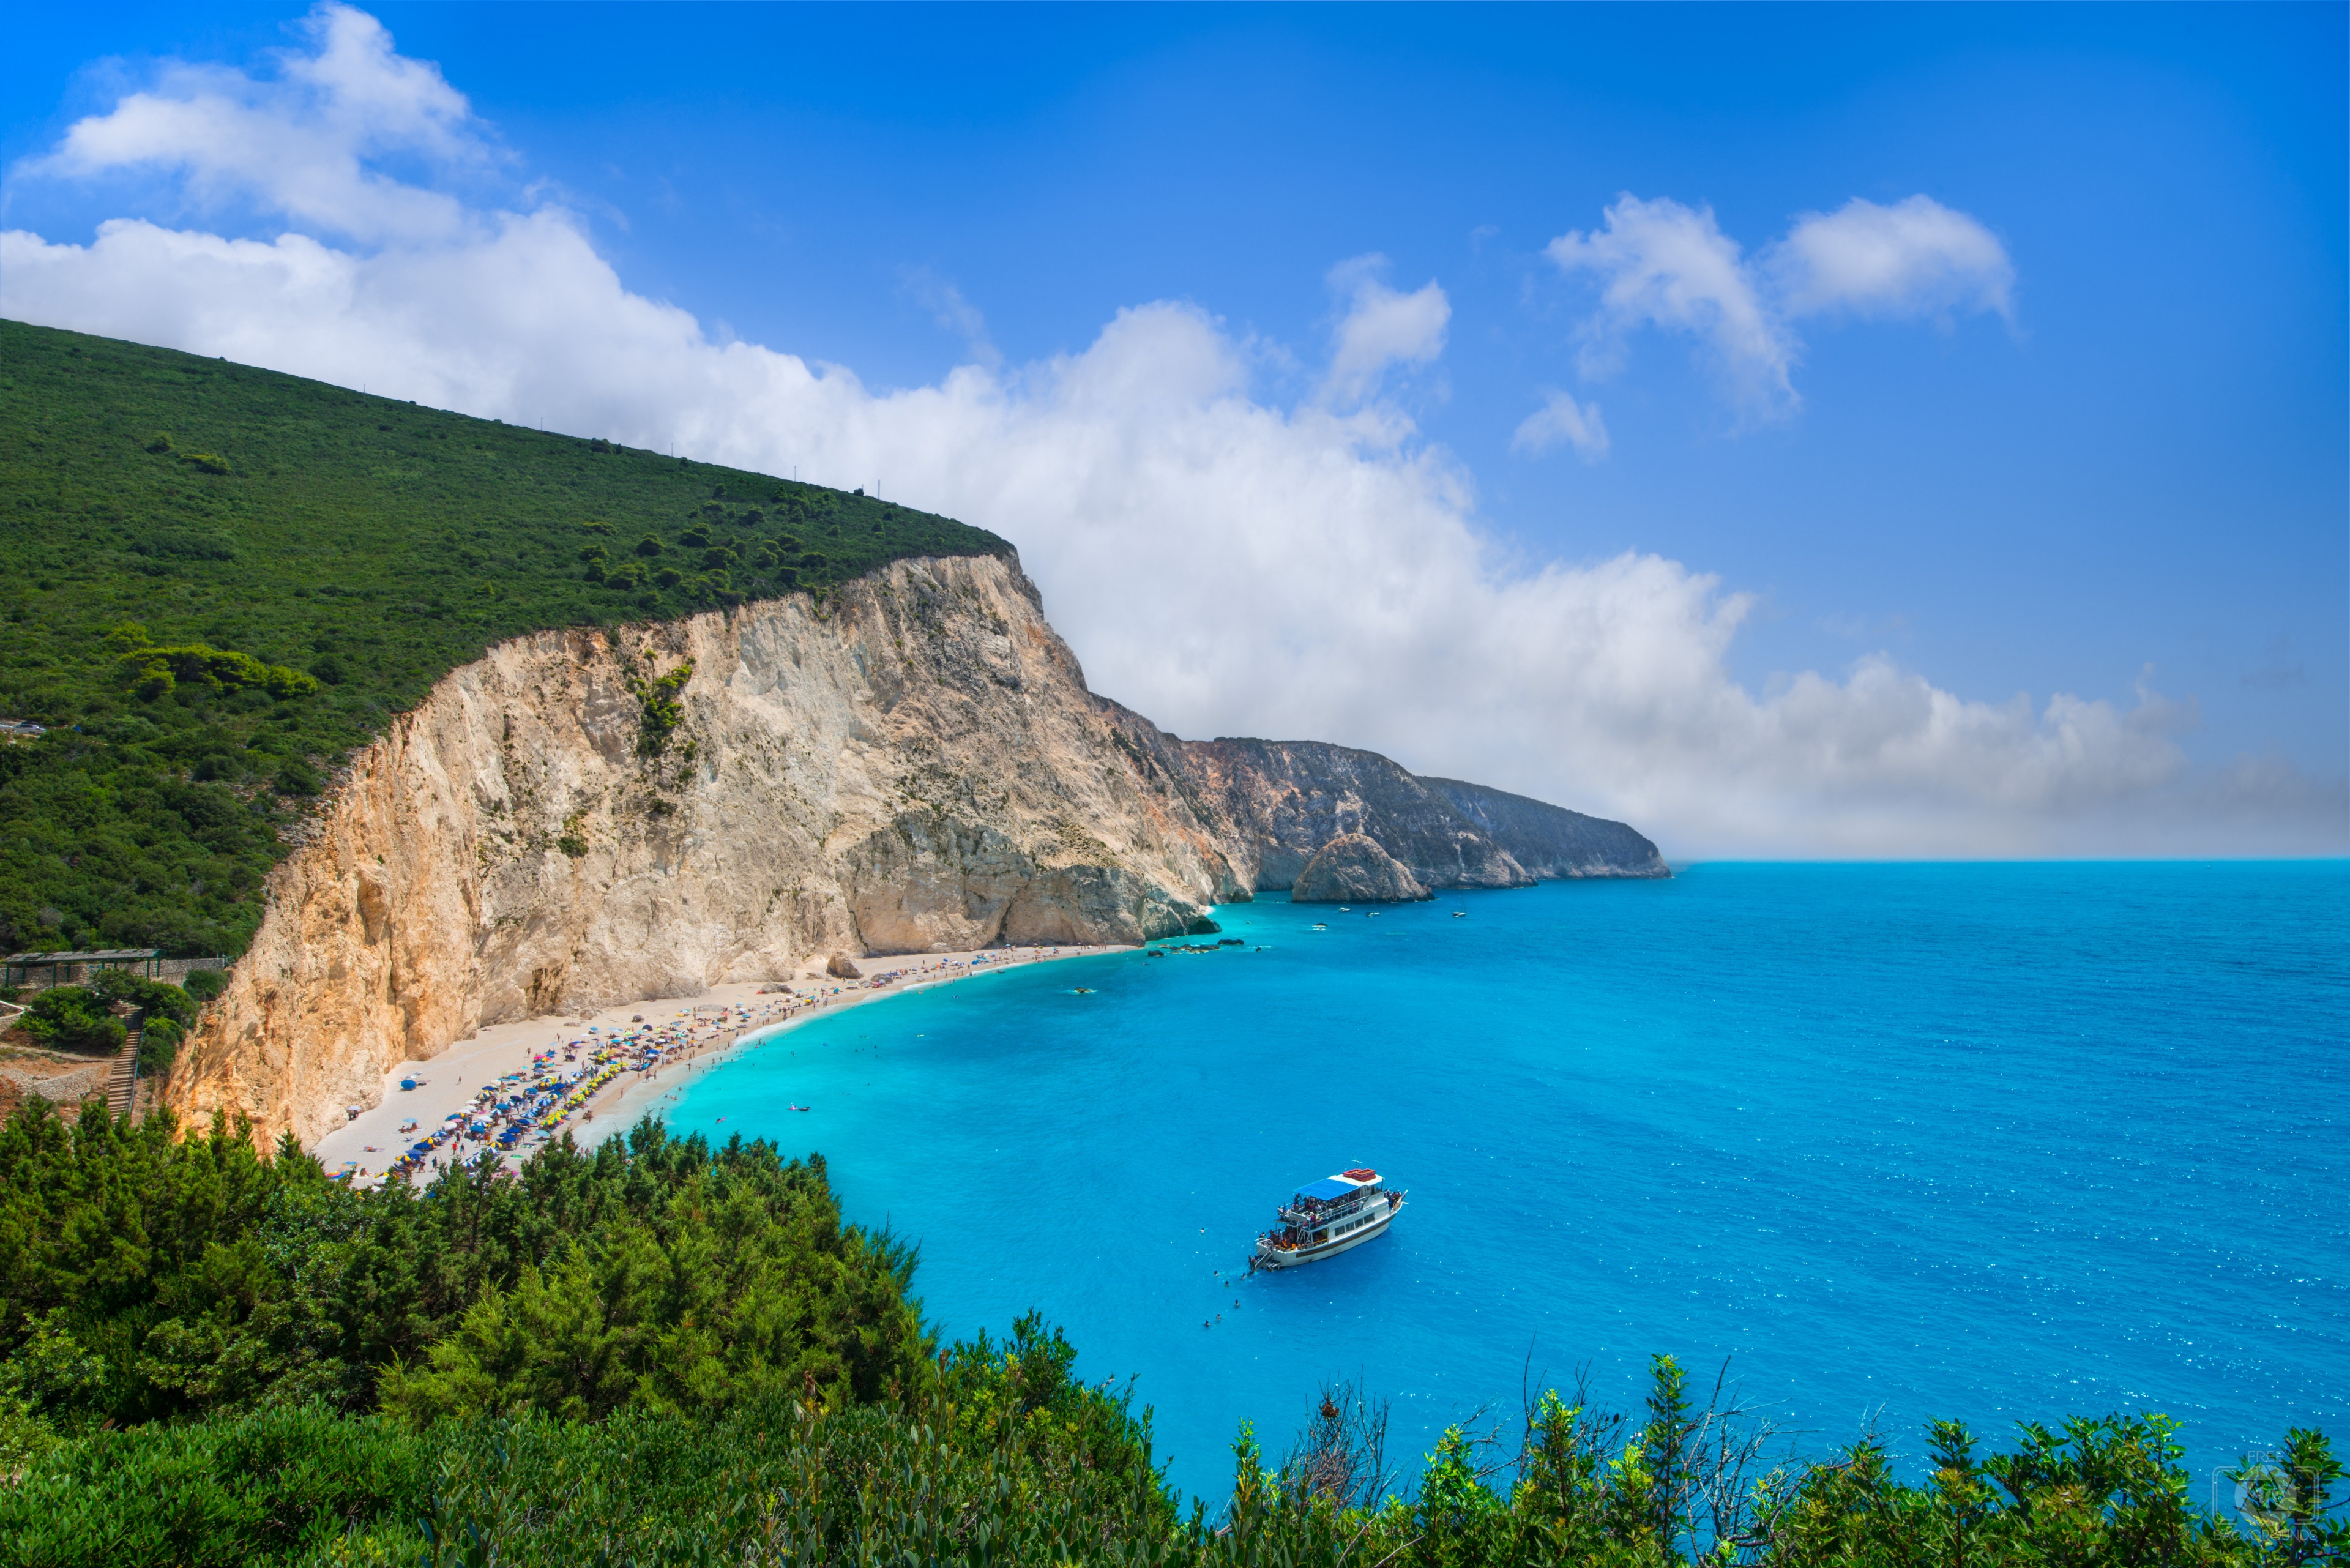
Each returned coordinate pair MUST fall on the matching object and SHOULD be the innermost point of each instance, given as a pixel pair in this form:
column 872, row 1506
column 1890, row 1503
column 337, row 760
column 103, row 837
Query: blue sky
column 2113, row 474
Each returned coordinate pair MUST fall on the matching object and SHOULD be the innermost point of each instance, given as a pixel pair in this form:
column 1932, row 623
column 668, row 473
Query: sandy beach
column 704, row 1028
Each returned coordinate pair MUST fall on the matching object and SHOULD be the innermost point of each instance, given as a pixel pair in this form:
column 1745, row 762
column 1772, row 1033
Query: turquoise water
column 1989, row 1142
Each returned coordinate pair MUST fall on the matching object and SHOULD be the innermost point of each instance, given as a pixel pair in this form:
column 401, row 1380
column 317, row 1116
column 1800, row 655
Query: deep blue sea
column 1991, row 1142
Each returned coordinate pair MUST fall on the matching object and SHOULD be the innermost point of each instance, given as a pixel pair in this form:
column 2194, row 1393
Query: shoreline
column 748, row 1011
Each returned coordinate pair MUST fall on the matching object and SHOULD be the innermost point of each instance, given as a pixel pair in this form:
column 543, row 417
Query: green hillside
column 215, row 581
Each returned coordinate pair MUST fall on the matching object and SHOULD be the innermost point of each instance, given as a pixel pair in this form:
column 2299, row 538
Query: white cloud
column 1561, row 422
column 1224, row 564
column 296, row 144
column 1663, row 265
column 1916, row 257
column 1381, row 326
column 1660, row 264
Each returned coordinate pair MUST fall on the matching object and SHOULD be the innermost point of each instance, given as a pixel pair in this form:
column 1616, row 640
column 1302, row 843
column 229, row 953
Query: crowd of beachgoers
column 562, row 1084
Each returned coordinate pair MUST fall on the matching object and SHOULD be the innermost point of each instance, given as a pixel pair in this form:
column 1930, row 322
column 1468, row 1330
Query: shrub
column 648, row 546
column 667, row 577
column 296, row 777
column 159, row 1044
column 158, row 999
column 74, row 1019
column 662, row 712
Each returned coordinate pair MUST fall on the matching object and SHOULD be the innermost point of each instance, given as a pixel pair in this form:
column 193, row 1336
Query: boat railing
column 1331, row 1210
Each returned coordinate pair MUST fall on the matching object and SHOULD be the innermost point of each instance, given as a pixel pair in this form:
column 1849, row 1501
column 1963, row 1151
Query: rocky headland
column 1353, row 869
column 911, row 762
column 1273, row 806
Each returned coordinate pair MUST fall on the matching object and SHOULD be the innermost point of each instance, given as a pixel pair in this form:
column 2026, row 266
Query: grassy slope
column 371, row 543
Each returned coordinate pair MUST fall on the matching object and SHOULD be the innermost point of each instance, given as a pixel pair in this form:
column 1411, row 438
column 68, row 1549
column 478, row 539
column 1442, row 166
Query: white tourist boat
column 1326, row 1218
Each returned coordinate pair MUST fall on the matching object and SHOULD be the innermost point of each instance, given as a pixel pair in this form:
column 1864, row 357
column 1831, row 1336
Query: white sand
column 447, row 1083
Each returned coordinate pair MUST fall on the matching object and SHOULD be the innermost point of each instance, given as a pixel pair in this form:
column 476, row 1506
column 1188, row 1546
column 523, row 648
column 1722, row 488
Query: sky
column 1840, row 431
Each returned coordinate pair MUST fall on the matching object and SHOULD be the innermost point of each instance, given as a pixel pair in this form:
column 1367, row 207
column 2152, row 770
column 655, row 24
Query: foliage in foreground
column 667, row 1353
column 1002, row 1459
column 144, row 1276
column 215, row 581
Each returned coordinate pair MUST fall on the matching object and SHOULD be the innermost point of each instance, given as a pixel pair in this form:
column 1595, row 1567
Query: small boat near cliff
column 1330, row 1217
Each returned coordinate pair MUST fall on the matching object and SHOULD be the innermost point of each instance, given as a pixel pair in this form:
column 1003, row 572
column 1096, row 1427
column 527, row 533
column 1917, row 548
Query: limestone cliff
column 1550, row 840
column 1352, row 869
column 1273, row 803
column 592, row 816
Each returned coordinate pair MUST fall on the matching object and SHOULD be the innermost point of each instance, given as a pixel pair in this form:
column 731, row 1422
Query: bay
column 1989, row 1142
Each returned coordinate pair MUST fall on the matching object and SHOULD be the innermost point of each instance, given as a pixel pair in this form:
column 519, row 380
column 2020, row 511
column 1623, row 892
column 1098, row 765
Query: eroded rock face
column 914, row 765
column 1353, row 868
column 1273, row 804
column 1551, row 841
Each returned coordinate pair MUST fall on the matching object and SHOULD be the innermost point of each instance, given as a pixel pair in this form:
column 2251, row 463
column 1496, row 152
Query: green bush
column 296, row 777
column 203, row 985
column 158, row 999
column 159, row 1046
column 72, row 1018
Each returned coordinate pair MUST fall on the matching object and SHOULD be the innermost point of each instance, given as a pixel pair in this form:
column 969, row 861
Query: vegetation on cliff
column 667, row 1353
column 215, row 581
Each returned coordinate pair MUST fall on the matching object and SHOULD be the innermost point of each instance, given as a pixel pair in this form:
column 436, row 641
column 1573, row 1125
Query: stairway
column 122, row 1074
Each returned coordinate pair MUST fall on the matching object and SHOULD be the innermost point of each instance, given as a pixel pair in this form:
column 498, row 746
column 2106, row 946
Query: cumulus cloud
column 1561, row 422
column 1224, row 563
column 1662, row 264
column 298, row 142
column 1916, row 257
column 1380, row 327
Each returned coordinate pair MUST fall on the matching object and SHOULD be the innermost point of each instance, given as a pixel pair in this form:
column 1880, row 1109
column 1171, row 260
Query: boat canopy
column 1329, row 1187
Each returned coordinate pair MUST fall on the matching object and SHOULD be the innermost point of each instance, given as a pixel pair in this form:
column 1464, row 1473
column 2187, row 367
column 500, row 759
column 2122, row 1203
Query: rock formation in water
column 1352, row 869
column 910, row 762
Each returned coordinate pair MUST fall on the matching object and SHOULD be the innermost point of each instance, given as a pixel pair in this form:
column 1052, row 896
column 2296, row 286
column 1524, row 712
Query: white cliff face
column 913, row 765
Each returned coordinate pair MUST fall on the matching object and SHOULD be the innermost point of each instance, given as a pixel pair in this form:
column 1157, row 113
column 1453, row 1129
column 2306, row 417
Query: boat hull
column 1272, row 1257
